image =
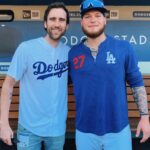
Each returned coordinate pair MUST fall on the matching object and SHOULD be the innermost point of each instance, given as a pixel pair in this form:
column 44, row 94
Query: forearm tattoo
column 10, row 95
column 140, row 97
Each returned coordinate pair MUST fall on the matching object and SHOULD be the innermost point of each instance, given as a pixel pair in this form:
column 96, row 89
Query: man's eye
column 87, row 16
column 98, row 15
column 52, row 19
column 62, row 19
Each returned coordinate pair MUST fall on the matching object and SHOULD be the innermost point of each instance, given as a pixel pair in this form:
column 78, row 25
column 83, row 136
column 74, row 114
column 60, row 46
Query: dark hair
column 56, row 5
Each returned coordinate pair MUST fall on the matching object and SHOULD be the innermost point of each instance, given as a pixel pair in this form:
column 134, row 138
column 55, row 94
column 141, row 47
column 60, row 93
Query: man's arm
column 140, row 97
column 6, row 132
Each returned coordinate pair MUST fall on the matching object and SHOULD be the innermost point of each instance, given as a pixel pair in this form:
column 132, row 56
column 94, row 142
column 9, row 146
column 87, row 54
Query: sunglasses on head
column 91, row 3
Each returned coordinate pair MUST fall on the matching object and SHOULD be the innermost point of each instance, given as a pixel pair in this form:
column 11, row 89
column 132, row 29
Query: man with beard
column 99, row 68
column 43, row 86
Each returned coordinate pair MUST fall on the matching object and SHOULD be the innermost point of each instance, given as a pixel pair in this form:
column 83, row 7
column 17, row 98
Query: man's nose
column 93, row 19
column 57, row 22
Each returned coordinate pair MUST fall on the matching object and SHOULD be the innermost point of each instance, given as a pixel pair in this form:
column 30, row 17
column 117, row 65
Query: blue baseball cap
column 88, row 5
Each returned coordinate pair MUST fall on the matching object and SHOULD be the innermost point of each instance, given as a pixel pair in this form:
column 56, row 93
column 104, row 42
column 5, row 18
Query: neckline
column 49, row 45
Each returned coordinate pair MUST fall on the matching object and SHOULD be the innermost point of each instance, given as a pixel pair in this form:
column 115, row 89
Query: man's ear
column 45, row 25
column 105, row 21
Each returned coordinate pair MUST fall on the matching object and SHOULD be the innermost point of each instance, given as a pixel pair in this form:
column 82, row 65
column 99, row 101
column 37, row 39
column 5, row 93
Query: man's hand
column 6, row 134
column 144, row 127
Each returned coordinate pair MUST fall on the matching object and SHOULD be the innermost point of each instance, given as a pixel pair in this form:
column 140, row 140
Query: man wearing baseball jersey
column 100, row 66
column 41, row 66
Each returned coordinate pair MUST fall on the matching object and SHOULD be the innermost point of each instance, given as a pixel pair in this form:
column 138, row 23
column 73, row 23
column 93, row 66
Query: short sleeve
column 18, row 64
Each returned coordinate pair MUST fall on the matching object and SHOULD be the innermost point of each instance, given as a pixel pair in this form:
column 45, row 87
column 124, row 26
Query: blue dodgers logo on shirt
column 44, row 71
column 110, row 58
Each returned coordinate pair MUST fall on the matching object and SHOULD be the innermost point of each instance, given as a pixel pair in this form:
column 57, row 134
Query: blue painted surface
column 136, row 32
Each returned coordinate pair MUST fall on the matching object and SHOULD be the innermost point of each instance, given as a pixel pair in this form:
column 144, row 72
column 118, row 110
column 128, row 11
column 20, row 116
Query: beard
column 93, row 35
column 55, row 37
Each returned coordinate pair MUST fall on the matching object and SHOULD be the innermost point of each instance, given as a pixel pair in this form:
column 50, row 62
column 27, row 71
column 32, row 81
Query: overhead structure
column 75, row 2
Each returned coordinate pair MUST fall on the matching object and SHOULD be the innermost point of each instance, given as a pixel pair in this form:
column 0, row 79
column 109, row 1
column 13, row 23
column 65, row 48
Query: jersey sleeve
column 133, row 74
column 19, row 63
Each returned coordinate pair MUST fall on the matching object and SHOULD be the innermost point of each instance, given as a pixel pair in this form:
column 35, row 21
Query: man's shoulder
column 118, row 43
column 28, row 45
column 65, row 46
column 76, row 47
column 31, row 41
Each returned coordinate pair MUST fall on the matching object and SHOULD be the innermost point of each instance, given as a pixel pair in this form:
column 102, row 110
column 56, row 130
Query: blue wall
column 136, row 32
